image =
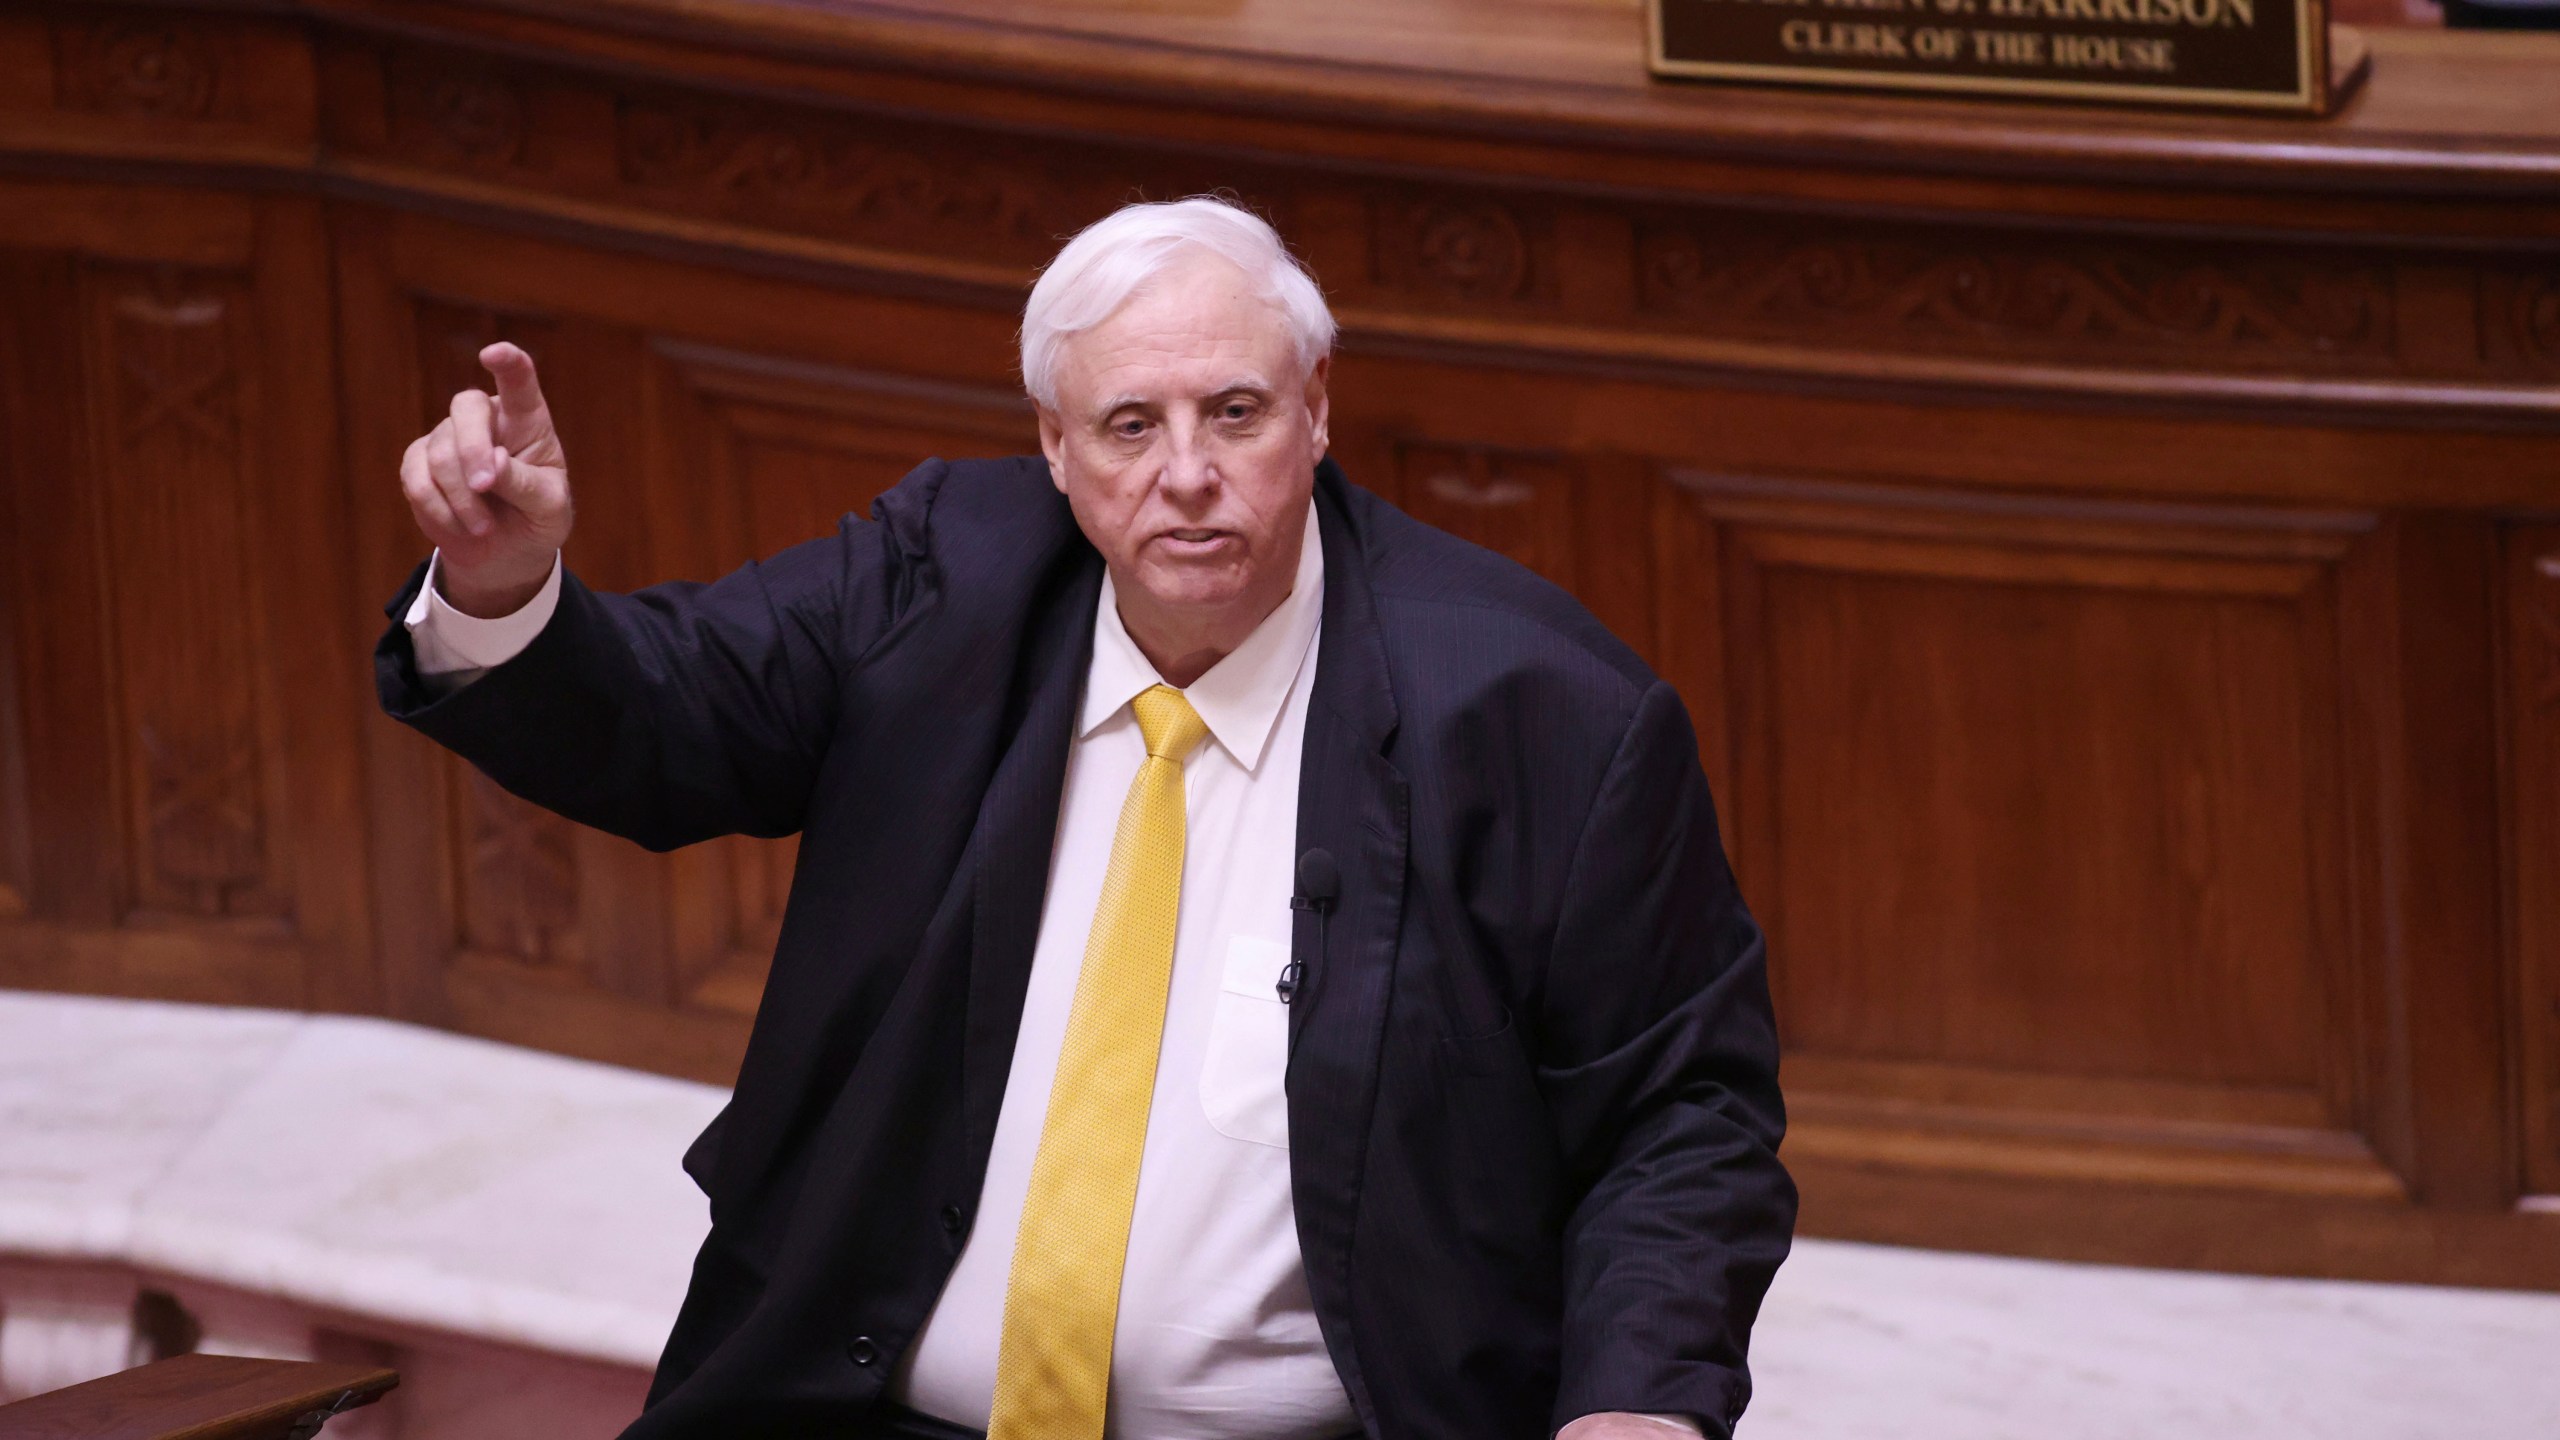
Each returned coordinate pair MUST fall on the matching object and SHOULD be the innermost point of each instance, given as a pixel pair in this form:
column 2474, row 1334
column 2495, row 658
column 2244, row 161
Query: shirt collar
column 1241, row 696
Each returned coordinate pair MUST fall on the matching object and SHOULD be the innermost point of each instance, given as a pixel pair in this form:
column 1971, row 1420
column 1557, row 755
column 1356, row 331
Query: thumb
column 519, row 389
column 539, row 491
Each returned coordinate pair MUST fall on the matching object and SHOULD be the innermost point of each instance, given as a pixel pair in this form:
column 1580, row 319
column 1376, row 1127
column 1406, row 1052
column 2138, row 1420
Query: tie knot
column 1168, row 722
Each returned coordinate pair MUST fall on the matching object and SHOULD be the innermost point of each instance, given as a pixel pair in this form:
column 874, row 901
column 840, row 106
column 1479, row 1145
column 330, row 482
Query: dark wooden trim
column 199, row 1397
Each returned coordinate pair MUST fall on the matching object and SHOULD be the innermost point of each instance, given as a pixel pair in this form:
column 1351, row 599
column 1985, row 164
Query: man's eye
column 1237, row 410
column 1130, row 429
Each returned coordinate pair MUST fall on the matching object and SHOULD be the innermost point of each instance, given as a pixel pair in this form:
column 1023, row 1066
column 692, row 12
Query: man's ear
column 1053, row 443
column 1320, row 404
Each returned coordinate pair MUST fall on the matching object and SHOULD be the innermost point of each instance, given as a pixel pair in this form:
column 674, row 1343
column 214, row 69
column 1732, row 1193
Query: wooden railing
column 199, row 1397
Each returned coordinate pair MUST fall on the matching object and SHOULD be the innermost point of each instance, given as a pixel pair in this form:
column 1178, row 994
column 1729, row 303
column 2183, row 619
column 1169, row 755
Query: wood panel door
column 2041, row 802
column 177, row 732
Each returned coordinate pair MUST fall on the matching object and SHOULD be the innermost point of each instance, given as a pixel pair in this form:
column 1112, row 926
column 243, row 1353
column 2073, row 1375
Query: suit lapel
column 1017, row 829
column 1352, row 801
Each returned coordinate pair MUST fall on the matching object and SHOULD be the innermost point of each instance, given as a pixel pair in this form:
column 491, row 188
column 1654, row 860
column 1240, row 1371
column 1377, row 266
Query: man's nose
column 1190, row 469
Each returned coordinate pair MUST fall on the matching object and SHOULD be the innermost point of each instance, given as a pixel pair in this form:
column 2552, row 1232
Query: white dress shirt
column 1217, row 1336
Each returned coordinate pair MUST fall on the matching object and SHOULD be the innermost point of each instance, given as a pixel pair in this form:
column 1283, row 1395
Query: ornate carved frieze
column 131, row 65
column 2537, row 318
column 931, row 192
column 2520, row 320
column 456, row 108
column 1460, row 248
column 951, row 202
column 1983, row 290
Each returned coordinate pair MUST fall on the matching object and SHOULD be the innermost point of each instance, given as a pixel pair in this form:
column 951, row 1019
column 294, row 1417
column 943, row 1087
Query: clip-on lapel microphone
column 1319, row 881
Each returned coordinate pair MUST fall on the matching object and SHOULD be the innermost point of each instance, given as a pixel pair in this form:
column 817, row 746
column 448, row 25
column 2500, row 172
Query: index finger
column 519, row 389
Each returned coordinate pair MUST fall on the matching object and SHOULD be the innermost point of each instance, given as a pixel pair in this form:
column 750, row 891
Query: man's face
column 1185, row 438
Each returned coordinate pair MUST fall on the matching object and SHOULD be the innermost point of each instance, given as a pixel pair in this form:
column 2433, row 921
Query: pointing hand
column 489, row 486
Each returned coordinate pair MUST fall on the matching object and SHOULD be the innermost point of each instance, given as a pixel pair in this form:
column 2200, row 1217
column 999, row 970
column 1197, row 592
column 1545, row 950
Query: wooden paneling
column 2532, row 710
column 175, row 772
column 2039, row 799
column 68, row 790
column 169, row 389
column 17, row 839
column 2110, row 561
column 1521, row 505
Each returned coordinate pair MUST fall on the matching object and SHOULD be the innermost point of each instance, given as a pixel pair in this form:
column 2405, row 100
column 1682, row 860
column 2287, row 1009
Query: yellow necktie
column 1053, row 1365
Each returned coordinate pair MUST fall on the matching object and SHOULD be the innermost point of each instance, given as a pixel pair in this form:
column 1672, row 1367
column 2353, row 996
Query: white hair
column 1113, row 257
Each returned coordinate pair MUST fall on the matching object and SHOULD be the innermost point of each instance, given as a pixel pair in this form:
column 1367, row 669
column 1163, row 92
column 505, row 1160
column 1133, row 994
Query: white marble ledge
column 1866, row 1342
column 383, row 1170
column 362, row 1166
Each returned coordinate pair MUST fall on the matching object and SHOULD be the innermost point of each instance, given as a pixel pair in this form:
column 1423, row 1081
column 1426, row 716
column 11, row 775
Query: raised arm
column 670, row 715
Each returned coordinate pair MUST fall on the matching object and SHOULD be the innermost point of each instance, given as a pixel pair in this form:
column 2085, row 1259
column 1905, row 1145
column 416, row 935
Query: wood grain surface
column 197, row 1397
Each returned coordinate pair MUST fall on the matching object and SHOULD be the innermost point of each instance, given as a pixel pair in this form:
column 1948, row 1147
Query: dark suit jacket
column 1532, row 1086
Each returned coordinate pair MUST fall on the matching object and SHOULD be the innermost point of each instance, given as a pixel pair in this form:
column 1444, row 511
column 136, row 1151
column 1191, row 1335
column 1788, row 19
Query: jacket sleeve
column 1659, row 1062
column 672, row 714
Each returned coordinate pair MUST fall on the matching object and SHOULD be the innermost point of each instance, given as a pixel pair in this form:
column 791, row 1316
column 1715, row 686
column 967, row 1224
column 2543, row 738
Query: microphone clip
column 1319, row 881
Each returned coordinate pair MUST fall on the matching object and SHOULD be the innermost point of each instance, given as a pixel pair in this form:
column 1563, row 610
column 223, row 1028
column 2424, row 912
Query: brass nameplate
column 2259, row 54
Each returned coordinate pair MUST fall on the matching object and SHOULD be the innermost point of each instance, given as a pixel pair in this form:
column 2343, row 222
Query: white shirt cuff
column 448, row 642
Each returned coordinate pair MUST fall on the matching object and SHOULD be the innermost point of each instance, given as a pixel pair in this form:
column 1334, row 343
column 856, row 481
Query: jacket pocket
column 1242, row 1078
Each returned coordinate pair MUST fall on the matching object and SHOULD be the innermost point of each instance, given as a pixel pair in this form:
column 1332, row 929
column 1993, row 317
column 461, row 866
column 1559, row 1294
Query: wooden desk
column 2111, row 557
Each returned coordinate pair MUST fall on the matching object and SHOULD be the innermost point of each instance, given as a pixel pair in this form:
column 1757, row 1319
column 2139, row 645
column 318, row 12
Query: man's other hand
column 1615, row 1426
column 490, row 488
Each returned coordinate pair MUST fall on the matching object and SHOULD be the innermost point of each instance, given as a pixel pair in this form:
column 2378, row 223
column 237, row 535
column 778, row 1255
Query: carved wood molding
column 1462, row 248
column 1517, row 503
column 2545, row 695
column 2532, row 720
column 1991, row 291
column 519, row 873
column 2537, row 318
column 2519, row 320
column 2026, row 521
column 886, row 183
column 2545, row 621
column 465, row 110
column 1003, row 416
column 2295, row 325
column 14, row 837
column 131, row 64
column 180, row 548
column 1916, row 303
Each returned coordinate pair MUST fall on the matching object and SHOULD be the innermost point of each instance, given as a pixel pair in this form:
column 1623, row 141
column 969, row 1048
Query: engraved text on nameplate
column 2262, row 53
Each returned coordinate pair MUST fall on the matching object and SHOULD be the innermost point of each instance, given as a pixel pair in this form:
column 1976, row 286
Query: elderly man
column 1259, row 968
